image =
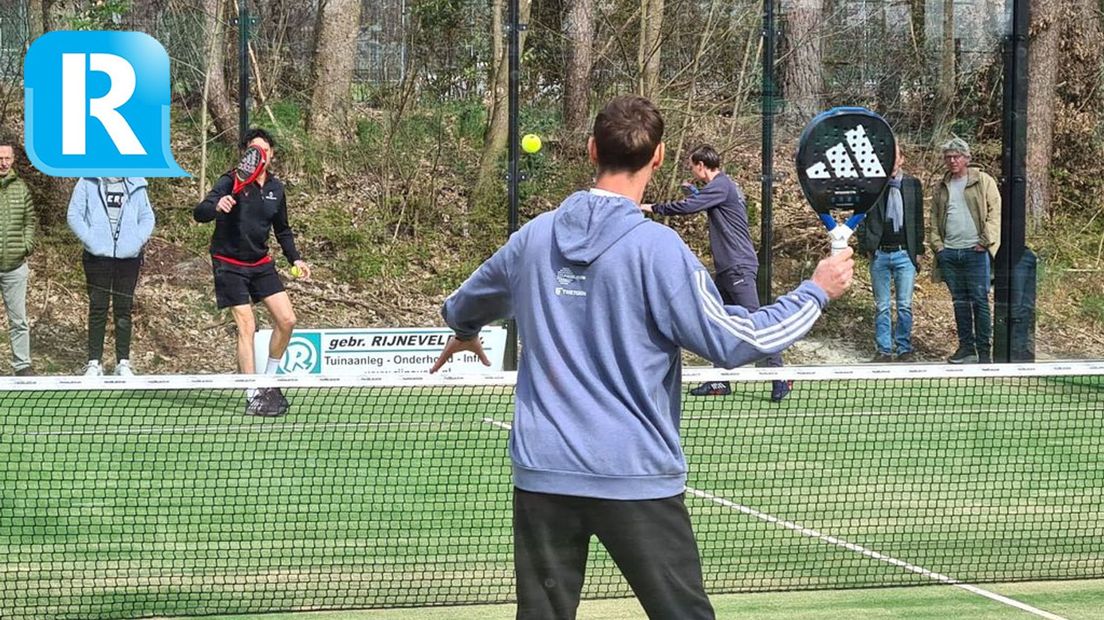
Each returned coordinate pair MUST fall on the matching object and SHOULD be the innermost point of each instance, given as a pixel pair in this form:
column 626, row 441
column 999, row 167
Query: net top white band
column 689, row 375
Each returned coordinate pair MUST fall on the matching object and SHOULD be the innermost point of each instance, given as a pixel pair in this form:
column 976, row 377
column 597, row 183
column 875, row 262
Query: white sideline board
column 356, row 352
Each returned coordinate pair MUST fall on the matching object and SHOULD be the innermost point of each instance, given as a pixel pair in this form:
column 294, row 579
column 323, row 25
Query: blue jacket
column 604, row 299
column 88, row 219
column 729, row 234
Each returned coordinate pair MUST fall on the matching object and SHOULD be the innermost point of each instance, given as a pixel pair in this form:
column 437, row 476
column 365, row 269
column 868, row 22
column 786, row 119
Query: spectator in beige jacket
column 965, row 236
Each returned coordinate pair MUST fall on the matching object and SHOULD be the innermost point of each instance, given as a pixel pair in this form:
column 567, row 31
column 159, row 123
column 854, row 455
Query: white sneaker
column 93, row 369
column 123, row 369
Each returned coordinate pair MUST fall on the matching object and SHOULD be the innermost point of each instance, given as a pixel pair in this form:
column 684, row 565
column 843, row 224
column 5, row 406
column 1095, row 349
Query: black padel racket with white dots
column 844, row 161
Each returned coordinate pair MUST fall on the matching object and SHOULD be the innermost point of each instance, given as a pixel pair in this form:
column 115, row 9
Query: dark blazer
column 870, row 231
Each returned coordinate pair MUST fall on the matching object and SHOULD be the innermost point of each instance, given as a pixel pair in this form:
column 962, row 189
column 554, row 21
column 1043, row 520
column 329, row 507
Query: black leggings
column 111, row 282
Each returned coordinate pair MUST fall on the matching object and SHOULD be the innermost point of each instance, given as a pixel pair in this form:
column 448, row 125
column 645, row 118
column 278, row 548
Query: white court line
column 811, row 533
column 850, row 546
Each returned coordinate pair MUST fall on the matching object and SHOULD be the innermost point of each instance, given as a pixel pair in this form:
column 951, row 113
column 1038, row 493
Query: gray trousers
column 13, row 286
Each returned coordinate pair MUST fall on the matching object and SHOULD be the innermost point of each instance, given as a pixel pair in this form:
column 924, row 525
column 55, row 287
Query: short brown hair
column 626, row 134
column 707, row 155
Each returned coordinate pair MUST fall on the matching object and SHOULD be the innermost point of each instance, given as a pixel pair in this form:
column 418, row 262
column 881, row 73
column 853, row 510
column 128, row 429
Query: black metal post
column 243, row 69
column 766, row 234
column 513, row 140
column 1014, row 266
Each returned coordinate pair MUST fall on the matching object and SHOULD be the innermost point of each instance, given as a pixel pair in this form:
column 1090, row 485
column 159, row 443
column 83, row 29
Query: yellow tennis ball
column 531, row 143
column 296, row 271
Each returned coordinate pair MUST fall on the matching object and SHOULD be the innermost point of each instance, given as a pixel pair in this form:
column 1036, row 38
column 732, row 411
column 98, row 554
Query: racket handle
column 840, row 235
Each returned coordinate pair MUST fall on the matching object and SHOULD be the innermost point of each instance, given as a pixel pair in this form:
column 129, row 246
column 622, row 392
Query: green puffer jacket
column 17, row 222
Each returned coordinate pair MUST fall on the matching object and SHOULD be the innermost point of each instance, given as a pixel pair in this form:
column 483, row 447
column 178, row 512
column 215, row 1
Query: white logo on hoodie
column 567, row 277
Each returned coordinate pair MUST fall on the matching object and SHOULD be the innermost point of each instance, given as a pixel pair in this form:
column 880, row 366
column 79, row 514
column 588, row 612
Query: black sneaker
column 881, row 358
column 964, row 355
column 279, row 400
column 26, row 371
column 984, row 357
column 907, row 357
column 780, row 390
column 712, row 388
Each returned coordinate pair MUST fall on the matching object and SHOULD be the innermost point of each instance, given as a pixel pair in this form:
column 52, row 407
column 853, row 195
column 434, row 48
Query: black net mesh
column 118, row 503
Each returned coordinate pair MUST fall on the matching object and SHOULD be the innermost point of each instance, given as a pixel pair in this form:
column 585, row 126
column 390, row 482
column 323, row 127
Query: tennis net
column 157, row 496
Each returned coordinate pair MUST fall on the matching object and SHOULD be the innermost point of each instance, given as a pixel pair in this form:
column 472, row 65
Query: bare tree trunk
column 36, row 19
column 889, row 67
column 649, row 51
column 338, row 24
column 578, row 29
column 1043, row 52
column 945, row 91
column 218, row 99
column 804, row 81
column 498, row 46
column 494, row 140
column 918, row 23
column 1089, row 19
column 142, row 15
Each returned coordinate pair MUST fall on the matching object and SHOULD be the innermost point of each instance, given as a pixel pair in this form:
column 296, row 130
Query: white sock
column 273, row 364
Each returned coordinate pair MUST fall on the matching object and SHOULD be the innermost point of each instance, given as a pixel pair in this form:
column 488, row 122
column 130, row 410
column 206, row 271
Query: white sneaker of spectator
column 93, row 369
column 123, row 369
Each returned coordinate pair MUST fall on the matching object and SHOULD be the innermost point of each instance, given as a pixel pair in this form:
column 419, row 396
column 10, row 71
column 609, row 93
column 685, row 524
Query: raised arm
column 695, row 318
column 710, row 196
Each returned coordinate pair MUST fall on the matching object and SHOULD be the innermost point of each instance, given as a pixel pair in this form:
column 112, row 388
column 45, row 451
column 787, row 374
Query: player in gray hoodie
column 604, row 299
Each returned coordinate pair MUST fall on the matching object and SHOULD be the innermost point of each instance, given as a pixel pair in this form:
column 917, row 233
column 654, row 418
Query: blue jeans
column 895, row 267
column 967, row 275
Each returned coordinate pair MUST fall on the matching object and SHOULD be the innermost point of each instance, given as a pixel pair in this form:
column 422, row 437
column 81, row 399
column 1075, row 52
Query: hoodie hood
column 587, row 224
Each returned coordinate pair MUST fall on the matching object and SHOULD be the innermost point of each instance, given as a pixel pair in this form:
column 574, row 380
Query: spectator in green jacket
column 17, row 228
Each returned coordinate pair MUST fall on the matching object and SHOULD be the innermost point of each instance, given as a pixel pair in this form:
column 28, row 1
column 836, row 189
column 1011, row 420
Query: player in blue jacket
column 604, row 299
column 735, row 263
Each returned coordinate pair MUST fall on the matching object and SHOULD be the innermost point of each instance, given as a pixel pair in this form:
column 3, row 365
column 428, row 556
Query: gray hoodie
column 604, row 299
column 90, row 219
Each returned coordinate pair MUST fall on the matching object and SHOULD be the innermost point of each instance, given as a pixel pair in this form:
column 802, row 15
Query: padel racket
column 844, row 161
column 250, row 167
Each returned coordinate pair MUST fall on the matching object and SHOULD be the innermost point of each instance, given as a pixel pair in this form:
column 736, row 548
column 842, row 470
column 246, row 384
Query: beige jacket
column 984, row 201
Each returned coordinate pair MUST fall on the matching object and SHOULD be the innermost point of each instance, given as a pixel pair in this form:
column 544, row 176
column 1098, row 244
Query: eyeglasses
column 954, row 157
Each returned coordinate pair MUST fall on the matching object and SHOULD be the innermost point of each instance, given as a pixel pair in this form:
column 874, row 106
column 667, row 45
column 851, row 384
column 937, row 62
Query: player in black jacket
column 244, row 272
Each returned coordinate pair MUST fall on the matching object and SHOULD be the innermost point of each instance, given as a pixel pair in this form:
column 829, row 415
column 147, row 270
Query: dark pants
column 650, row 540
column 738, row 288
column 967, row 275
column 111, row 282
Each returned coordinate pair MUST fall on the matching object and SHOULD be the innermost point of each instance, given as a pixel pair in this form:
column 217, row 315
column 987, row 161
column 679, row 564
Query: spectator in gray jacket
column 113, row 218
